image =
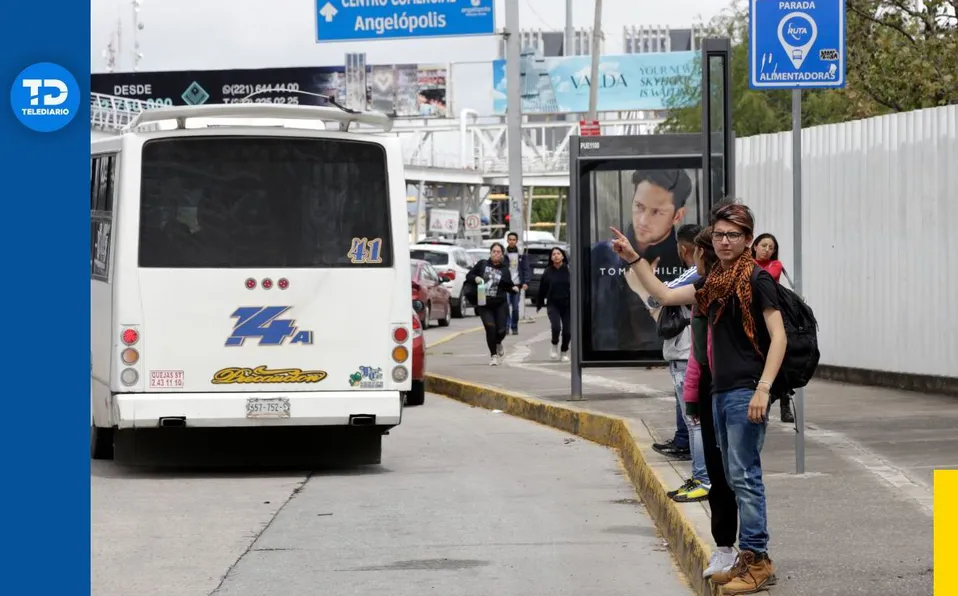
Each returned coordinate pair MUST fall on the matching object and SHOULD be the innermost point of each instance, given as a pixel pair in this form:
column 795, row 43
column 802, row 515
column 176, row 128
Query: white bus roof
column 255, row 113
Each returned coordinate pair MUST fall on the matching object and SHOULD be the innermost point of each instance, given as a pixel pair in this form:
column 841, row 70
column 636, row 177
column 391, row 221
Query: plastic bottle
column 481, row 293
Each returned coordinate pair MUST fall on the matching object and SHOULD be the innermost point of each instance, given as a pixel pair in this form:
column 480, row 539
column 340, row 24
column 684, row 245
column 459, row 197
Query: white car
column 453, row 263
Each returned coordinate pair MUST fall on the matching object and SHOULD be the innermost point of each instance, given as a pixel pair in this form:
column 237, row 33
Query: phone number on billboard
column 244, row 90
column 285, row 100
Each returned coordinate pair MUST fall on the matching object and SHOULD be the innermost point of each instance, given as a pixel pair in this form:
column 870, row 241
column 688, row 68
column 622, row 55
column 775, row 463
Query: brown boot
column 721, row 578
column 755, row 573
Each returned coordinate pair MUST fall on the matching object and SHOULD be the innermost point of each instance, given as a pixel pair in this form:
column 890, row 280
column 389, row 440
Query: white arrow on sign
column 328, row 12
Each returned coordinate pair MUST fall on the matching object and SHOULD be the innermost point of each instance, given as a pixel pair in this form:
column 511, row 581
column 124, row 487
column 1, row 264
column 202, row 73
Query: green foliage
column 902, row 55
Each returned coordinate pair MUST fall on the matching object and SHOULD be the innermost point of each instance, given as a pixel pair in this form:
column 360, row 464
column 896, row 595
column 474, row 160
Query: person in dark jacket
column 494, row 314
column 521, row 274
column 555, row 294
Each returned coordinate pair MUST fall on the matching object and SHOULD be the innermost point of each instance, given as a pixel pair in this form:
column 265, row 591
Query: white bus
column 245, row 275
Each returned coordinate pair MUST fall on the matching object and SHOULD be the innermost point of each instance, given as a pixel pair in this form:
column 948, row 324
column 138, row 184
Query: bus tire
column 101, row 442
column 367, row 448
column 416, row 396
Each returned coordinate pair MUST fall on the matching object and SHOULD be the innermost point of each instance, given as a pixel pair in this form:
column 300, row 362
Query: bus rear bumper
column 224, row 410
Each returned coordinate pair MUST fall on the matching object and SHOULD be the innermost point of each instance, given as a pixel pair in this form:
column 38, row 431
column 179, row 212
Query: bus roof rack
column 181, row 114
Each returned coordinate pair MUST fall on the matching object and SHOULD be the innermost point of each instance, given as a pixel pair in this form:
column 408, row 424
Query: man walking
column 520, row 271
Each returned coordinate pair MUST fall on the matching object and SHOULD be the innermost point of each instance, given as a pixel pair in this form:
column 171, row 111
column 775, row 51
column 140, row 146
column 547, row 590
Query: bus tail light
column 129, row 377
column 400, row 374
column 130, row 356
column 400, row 335
column 130, row 336
column 400, row 354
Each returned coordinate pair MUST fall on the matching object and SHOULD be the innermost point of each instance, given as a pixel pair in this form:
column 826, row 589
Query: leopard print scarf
column 722, row 284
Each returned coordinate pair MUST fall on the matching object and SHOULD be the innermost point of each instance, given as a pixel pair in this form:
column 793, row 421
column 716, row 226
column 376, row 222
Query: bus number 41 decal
column 364, row 250
column 261, row 322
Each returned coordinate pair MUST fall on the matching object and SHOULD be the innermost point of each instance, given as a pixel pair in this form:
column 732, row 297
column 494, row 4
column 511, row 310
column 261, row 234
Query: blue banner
column 626, row 82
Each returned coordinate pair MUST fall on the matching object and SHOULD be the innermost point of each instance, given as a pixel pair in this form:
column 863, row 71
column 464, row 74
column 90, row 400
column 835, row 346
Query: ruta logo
column 45, row 97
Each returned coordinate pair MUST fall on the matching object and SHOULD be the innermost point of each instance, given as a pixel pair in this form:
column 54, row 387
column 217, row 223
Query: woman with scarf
column 748, row 345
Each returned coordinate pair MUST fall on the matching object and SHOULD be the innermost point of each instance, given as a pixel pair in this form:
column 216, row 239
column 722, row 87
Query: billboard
column 626, row 82
column 648, row 206
column 400, row 90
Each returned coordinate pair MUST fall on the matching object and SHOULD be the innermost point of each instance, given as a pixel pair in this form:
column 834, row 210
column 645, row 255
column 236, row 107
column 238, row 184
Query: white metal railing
column 545, row 145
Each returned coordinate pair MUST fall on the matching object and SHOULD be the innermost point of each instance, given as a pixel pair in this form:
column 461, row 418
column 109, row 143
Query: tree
column 900, row 57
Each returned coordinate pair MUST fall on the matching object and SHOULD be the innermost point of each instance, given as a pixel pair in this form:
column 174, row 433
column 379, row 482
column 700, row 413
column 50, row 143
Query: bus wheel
column 101, row 442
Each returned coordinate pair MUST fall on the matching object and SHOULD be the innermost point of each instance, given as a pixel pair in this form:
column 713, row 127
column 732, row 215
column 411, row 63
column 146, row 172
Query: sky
column 226, row 34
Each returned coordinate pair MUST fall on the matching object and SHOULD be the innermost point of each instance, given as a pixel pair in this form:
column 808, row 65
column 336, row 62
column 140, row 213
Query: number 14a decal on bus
column 260, row 322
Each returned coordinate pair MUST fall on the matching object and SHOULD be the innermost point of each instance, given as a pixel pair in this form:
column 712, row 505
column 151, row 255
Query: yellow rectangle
column 946, row 532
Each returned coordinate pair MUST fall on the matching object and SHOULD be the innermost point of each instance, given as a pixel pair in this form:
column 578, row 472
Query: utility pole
column 594, row 75
column 514, row 118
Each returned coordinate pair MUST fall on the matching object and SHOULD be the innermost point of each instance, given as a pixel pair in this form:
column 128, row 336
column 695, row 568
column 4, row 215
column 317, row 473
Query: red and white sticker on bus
column 166, row 379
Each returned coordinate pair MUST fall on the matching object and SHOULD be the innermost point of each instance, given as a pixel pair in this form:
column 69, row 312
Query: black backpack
column 801, row 332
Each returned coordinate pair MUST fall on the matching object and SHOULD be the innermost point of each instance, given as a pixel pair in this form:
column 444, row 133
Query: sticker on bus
column 262, row 322
column 239, row 375
column 365, row 251
column 166, row 379
column 367, row 377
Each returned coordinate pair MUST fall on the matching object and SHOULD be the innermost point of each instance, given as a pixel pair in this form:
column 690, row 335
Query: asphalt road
column 467, row 502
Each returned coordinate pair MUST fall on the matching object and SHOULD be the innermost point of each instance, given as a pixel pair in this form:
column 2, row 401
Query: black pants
column 559, row 319
column 495, row 318
column 721, row 498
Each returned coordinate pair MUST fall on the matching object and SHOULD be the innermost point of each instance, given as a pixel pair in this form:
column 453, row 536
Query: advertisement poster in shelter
column 649, row 207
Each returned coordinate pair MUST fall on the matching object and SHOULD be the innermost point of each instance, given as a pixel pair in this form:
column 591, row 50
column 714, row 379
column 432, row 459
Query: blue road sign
column 796, row 44
column 363, row 20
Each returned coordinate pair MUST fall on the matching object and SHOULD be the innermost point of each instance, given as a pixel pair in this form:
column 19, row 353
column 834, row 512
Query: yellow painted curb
column 687, row 546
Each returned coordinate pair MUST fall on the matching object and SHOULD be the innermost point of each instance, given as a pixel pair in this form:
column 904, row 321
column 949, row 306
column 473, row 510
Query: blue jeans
column 514, row 311
column 741, row 443
column 677, row 370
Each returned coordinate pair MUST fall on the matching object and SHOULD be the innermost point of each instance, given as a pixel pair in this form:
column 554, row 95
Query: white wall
column 880, row 234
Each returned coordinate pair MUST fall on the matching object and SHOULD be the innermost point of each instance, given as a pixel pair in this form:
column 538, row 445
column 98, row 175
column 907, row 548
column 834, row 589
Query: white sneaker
column 554, row 353
column 494, row 361
column 565, row 356
column 722, row 560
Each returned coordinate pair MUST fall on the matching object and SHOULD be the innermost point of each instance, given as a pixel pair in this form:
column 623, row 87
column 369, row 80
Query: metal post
column 420, row 213
column 572, row 237
column 568, row 49
column 797, row 267
column 514, row 117
column 594, row 73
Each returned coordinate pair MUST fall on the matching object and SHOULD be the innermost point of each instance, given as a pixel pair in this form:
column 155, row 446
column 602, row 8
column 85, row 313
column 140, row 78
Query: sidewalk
column 858, row 522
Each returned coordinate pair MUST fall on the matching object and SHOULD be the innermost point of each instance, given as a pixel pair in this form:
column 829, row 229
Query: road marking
column 452, row 336
column 853, row 451
column 521, row 351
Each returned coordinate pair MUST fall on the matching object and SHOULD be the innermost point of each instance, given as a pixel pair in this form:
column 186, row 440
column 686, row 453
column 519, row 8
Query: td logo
column 45, row 97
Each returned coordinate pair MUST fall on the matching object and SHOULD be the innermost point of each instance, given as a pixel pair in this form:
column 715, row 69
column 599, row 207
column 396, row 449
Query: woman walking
column 748, row 339
column 554, row 294
column 494, row 274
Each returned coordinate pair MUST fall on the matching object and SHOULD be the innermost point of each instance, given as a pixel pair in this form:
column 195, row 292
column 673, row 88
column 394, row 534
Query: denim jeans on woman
column 685, row 428
column 741, row 442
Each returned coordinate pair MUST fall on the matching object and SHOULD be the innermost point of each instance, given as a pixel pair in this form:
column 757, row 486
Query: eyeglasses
column 730, row 236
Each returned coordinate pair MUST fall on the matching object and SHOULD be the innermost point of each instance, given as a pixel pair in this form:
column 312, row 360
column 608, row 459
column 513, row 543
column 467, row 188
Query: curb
column 689, row 550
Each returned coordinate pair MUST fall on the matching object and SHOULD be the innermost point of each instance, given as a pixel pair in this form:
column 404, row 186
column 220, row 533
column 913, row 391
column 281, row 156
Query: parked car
column 538, row 255
column 430, row 287
column 453, row 263
column 417, row 394
column 477, row 254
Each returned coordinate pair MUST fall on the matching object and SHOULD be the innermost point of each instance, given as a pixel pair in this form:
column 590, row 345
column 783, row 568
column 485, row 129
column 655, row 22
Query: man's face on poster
column 654, row 213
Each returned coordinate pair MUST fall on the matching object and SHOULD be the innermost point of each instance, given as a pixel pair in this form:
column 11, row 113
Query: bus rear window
column 264, row 202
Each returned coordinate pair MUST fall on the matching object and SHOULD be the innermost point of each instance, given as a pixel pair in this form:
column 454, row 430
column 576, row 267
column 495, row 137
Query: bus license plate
column 538, row 271
column 270, row 407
